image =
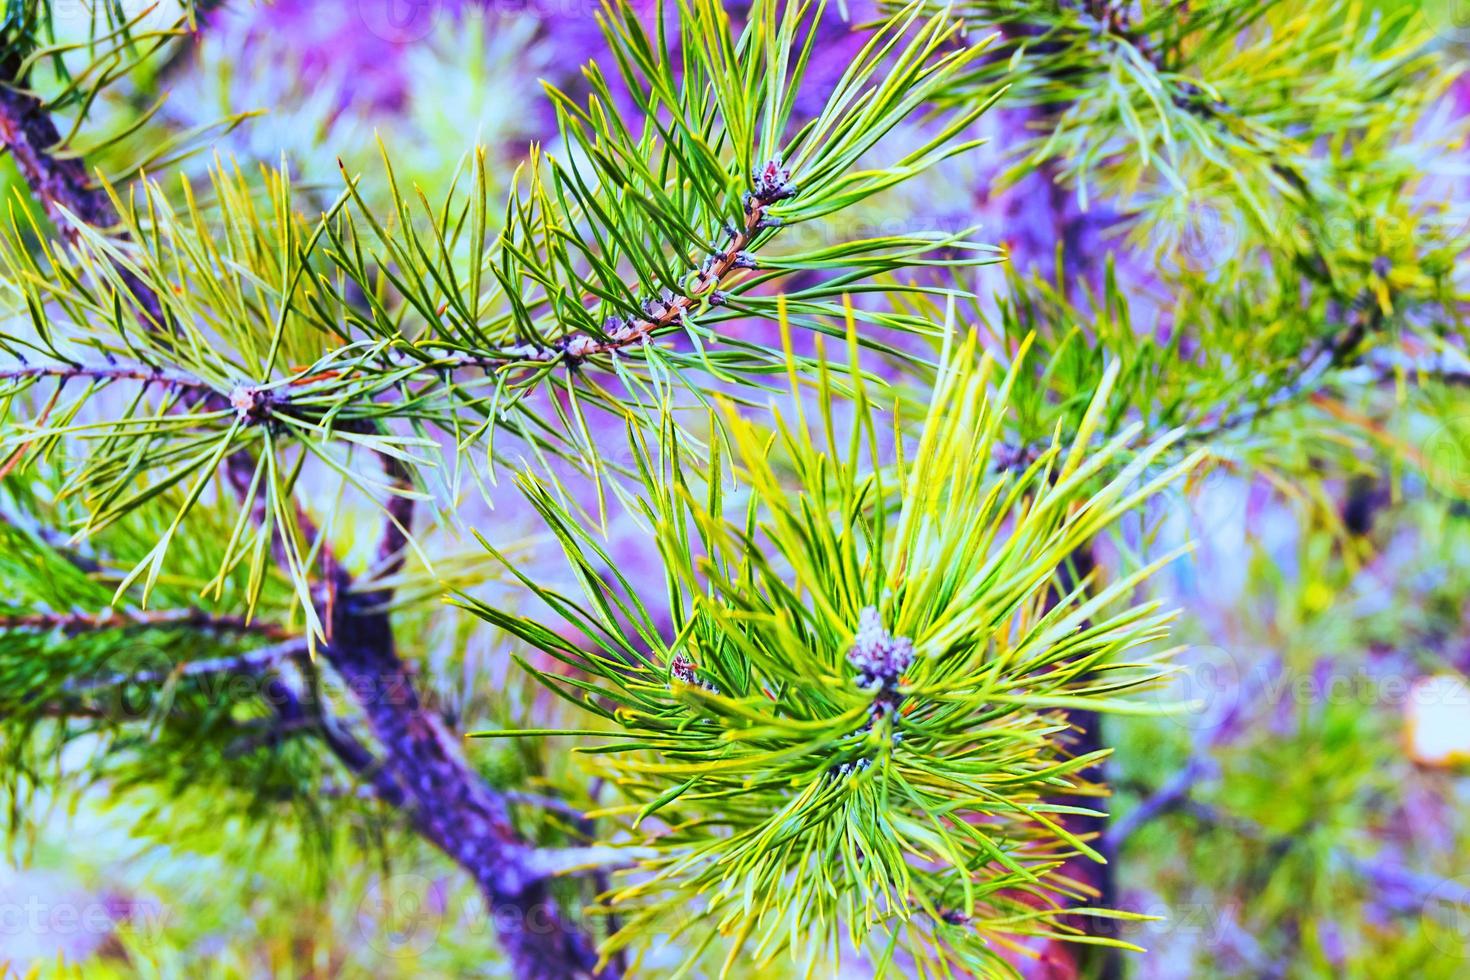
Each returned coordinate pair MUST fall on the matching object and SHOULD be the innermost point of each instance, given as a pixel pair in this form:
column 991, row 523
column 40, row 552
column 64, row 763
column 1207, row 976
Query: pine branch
column 822, row 707
column 451, row 329
column 421, row 770
column 60, row 182
column 1328, row 354
column 112, row 619
column 449, row 803
column 1141, row 75
column 259, row 404
column 110, row 371
column 1328, row 361
column 253, row 662
column 771, row 185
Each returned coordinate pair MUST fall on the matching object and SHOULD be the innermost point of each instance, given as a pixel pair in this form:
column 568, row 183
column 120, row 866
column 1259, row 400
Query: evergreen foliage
column 866, row 679
column 819, row 677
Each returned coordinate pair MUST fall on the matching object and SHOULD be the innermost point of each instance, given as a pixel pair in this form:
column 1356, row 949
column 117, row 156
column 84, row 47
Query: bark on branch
column 60, row 183
column 448, row 802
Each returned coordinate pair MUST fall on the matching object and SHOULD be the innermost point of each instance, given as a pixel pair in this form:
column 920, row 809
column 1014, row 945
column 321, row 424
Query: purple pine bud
column 744, row 260
column 772, row 182
column 880, row 659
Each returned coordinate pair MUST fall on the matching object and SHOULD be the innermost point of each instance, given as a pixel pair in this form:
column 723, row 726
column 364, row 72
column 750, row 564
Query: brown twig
column 110, row 371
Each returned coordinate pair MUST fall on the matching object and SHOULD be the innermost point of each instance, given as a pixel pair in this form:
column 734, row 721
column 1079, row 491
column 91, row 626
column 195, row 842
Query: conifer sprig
column 1243, row 132
column 849, row 732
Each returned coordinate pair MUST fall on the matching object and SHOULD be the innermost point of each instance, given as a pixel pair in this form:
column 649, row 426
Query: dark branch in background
column 449, row 803
column 60, row 183
column 108, row 619
column 419, row 769
column 1201, row 765
column 398, row 518
column 1169, row 797
column 1330, row 358
column 1403, row 890
column 349, row 751
column 245, row 663
column 59, row 543
column 1097, row 962
column 422, row 769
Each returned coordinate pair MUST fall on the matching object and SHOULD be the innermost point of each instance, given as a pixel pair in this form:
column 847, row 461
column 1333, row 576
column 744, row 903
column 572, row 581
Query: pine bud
column 253, row 405
column 772, row 182
column 879, row 658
